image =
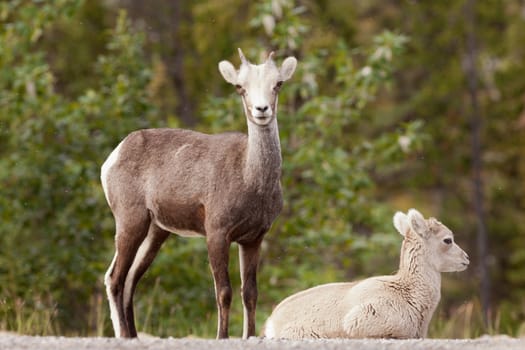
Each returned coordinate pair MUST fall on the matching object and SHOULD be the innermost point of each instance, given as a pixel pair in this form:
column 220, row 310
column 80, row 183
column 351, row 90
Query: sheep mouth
column 463, row 267
column 262, row 119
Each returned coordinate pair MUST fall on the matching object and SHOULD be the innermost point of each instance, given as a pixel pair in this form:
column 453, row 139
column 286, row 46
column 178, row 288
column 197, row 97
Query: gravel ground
column 15, row 342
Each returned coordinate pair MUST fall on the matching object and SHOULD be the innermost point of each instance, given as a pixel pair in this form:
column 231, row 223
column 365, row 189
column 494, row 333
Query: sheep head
column 437, row 240
column 258, row 85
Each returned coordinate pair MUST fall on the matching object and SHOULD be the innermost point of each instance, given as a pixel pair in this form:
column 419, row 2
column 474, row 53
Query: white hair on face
column 243, row 73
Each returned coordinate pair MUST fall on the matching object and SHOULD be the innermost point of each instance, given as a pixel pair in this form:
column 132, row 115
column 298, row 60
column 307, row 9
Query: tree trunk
column 171, row 29
column 185, row 108
column 476, row 124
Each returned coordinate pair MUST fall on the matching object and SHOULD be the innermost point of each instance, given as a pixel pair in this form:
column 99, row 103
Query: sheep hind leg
column 112, row 298
column 146, row 253
column 129, row 237
column 218, row 255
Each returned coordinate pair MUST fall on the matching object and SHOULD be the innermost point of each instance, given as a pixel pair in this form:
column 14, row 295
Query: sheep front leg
column 377, row 319
column 249, row 259
column 218, row 255
column 364, row 321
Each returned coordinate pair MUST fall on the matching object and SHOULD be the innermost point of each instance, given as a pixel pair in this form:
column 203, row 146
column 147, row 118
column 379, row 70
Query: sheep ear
column 417, row 223
column 401, row 223
column 228, row 72
column 288, row 68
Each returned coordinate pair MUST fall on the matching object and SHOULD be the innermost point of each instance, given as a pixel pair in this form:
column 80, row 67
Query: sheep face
column 442, row 253
column 258, row 85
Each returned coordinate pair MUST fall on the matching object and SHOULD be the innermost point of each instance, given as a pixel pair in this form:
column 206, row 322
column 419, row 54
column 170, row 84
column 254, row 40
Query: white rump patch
column 110, row 161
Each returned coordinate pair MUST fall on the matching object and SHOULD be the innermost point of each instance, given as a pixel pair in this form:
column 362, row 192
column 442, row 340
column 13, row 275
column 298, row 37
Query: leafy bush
column 56, row 227
column 57, row 231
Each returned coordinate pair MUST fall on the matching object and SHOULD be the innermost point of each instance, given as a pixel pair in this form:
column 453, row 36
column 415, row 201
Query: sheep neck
column 263, row 160
column 422, row 280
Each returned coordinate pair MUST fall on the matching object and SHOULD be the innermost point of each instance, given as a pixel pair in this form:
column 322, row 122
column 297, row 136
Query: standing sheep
column 397, row 306
column 224, row 187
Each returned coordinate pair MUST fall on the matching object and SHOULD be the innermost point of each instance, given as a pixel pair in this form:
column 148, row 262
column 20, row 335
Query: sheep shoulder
column 382, row 307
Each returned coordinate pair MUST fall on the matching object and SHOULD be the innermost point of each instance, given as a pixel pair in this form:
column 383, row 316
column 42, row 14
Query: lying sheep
column 397, row 306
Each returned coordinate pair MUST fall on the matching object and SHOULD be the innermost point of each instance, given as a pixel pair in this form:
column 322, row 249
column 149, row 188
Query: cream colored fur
column 396, row 306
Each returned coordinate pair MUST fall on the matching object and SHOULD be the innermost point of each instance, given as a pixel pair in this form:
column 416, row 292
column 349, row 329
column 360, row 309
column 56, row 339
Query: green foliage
column 466, row 321
column 370, row 123
column 330, row 149
column 54, row 221
column 436, row 92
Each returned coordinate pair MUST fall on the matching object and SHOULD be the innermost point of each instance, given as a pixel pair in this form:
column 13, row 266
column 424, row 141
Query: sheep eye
column 240, row 90
column 278, row 85
column 447, row 241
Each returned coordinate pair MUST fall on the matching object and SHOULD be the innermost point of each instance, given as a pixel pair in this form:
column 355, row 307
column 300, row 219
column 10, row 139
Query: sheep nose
column 262, row 108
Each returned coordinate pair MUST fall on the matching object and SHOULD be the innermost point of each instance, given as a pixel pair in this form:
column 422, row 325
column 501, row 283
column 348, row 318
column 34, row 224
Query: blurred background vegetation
column 384, row 113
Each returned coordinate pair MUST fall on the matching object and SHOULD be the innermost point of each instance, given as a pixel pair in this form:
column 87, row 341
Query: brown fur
column 225, row 187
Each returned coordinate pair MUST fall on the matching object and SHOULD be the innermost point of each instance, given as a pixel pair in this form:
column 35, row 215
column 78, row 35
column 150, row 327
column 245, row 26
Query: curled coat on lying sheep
column 396, row 306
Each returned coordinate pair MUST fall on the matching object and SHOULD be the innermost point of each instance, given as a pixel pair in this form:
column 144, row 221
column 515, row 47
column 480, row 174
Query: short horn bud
column 241, row 55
